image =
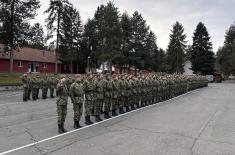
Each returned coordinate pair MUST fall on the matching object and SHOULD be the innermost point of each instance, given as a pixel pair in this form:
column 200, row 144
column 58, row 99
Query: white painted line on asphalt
column 69, row 132
column 28, row 102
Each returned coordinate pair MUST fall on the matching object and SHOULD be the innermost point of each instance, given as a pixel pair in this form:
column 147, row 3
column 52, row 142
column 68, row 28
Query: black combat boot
column 137, row 105
column 24, row 99
column 127, row 109
column 121, row 111
column 52, row 96
column 34, row 98
column 77, row 125
column 97, row 118
column 132, row 107
column 146, row 103
column 106, row 115
column 88, row 120
column 114, row 112
column 61, row 129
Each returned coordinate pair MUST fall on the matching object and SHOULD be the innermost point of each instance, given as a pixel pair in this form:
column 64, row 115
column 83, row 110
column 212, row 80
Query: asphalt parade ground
column 201, row 122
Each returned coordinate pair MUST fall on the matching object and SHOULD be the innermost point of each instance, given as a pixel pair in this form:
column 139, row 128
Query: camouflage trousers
column 44, row 92
column 77, row 108
column 25, row 93
column 34, row 93
column 89, row 106
column 52, row 92
column 114, row 102
column 62, row 112
column 107, row 103
column 37, row 92
column 29, row 93
column 121, row 101
column 98, row 106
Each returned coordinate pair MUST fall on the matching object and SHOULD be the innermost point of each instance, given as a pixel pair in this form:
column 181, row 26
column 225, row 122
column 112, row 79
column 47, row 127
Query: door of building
column 32, row 68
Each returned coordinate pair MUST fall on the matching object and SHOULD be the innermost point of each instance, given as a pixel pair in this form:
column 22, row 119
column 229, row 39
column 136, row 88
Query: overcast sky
column 217, row 15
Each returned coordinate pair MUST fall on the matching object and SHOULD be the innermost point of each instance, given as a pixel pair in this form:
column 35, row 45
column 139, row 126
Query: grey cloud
column 217, row 15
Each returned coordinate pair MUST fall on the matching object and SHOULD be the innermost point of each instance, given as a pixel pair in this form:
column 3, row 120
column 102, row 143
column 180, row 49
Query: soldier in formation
column 106, row 94
column 33, row 83
column 112, row 95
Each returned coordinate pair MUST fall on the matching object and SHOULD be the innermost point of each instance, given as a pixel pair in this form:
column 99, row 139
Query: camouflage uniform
column 38, row 85
column 52, row 84
column 34, row 88
column 25, row 81
column 61, row 102
column 45, row 84
column 107, row 96
column 123, row 94
column 115, row 95
column 76, row 92
column 99, row 98
column 88, row 88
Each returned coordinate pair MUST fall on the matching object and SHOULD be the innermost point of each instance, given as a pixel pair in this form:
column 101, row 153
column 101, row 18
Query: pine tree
column 162, row 63
column 138, row 42
column 56, row 11
column 108, row 30
column 202, row 55
column 36, row 37
column 176, row 49
column 151, row 60
column 71, row 36
column 226, row 54
column 14, row 17
column 90, row 43
column 127, row 32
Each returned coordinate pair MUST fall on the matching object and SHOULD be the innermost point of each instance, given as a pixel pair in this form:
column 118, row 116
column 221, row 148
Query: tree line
column 226, row 53
column 109, row 36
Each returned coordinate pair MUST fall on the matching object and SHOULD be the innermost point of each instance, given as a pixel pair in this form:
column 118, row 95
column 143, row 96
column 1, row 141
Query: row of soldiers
column 110, row 95
column 32, row 83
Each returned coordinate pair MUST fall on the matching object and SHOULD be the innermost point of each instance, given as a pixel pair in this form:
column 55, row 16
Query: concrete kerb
column 72, row 131
column 10, row 88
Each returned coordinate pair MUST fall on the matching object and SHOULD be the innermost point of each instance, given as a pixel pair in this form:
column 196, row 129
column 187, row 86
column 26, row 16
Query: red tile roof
column 30, row 54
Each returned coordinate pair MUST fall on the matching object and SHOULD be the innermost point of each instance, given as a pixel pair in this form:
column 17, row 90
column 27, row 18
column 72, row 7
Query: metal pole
column 88, row 64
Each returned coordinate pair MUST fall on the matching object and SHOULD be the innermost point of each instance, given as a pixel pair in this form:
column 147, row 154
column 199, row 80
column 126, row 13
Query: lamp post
column 88, row 63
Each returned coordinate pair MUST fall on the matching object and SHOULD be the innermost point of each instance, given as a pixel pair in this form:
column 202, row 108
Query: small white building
column 187, row 68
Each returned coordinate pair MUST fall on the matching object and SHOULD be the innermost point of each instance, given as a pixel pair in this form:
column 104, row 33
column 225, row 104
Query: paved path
column 201, row 122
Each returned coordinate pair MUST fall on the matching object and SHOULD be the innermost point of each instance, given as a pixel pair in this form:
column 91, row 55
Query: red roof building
column 29, row 60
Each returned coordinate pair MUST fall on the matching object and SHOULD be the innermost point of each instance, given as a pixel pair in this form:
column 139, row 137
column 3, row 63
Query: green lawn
column 7, row 79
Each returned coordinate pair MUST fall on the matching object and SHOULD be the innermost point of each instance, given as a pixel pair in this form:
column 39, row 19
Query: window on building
column 20, row 64
column 44, row 65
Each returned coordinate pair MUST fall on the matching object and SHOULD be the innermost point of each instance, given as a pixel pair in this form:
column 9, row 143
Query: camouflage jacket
column 62, row 94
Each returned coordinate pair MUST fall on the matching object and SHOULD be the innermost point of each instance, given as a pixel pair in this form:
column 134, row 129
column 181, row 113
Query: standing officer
column 88, row 88
column 38, row 85
column 61, row 102
column 76, row 93
column 99, row 97
column 52, row 85
column 30, row 86
column 107, row 96
column 115, row 95
column 45, row 84
column 25, row 81
column 34, row 88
